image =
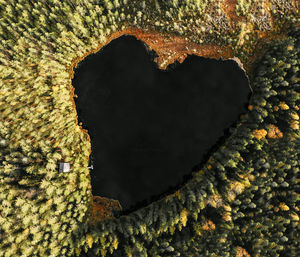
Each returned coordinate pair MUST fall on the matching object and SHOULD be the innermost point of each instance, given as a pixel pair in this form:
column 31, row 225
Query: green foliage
column 244, row 197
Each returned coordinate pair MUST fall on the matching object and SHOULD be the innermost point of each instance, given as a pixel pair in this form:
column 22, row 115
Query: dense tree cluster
column 243, row 201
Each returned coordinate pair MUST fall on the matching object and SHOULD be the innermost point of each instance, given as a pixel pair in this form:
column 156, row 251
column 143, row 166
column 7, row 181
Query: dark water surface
column 149, row 127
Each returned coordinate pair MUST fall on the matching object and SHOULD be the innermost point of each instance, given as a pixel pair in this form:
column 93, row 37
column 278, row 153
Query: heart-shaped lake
column 149, row 128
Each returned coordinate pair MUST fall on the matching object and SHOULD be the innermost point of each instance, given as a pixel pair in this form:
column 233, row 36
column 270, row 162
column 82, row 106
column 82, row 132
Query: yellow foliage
column 274, row 132
column 284, row 207
column 183, row 217
column 284, row 106
column 295, row 116
column 294, row 217
column 208, row 226
column 49, row 202
column 115, row 243
column 177, row 193
column 103, row 252
column 26, row 231
column 294, row 125
column 78, row 250
column 241, row 252
column 172, row 230
column 128, row 251
column 259, row 133
column 143, row 229
column 215, row 200
column 89, row 240
column 102, row 240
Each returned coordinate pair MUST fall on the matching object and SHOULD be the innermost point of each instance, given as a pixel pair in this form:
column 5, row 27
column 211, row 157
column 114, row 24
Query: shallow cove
column 149, row 128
